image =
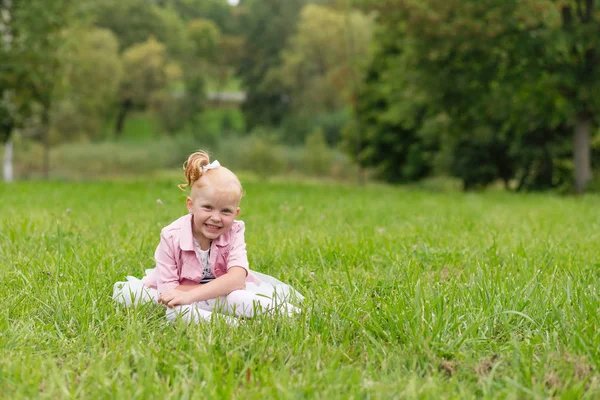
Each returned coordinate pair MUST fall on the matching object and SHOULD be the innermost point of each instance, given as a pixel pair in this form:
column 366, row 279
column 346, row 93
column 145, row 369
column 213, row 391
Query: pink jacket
column 176, row 260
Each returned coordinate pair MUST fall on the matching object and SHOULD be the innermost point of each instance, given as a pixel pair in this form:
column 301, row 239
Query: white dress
column 270, row 295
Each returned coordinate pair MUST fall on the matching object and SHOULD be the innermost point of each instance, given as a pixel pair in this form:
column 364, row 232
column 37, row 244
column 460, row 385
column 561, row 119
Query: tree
column 203, row 38
column 490, row 66
column 32, row 45
column 135, row 21
column 317, row 158
column 226, row 58
column 465, row 57
column 267, row 24
column 399, row 130
column 93, row 73
column 575, row 64
column 7, row 87
column 317, row 64
column 217, row 11
column 145, row 73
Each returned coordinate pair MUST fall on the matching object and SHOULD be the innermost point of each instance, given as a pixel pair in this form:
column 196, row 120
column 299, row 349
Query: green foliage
column 200, row 64
column 298, row 125
column 509, row 77
column 478, row 158
column 6, row 121
column 145, row 67
column 319, row 70
column 32, row 43
column 147, row 73
column 204, row 37
column 267, row 26
column 217, row 11
column 318, row 159
column 220, row 122
column 132, row 156
column 396, row 132
column 321, row 59
column 262, row 155
column 93, row 72
column 171, row 111
column 483, row 90
column 141, row 127
column 143, row 149
column 135, row 21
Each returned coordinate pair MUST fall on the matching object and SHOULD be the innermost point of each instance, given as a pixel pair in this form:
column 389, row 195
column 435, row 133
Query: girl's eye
column 227, row 211
column 207, row 207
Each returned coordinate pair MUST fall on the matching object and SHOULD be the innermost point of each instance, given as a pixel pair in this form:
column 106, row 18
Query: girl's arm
column 167, row 276
column 234, row 279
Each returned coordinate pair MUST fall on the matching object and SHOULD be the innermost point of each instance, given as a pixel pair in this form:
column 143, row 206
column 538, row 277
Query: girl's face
column 213, row 210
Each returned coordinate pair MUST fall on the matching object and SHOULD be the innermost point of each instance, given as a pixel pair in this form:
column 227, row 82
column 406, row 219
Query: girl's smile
column 212, row 227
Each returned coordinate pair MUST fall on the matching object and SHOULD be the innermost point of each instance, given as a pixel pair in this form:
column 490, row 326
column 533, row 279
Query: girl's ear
column 237, row 212
column 189, row 204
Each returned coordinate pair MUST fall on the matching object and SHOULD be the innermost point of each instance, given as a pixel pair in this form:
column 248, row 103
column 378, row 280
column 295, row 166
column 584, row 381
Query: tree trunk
column 8, row 161
column 46, row 140
column 123, row 111
column 581, row 152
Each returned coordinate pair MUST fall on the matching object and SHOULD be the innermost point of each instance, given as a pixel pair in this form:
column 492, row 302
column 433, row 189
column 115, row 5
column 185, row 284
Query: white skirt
column 269, row 290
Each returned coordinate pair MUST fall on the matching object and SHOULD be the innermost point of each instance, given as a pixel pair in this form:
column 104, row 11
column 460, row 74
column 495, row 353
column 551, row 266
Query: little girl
column 201, row 261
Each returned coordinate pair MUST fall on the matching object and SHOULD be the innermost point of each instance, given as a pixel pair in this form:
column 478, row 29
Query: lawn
column 409, row 293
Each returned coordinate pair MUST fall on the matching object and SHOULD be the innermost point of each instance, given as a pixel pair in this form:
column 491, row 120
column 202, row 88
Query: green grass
column 409, row 293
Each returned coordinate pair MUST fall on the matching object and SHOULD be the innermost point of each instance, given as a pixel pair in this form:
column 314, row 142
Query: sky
column 233, row 2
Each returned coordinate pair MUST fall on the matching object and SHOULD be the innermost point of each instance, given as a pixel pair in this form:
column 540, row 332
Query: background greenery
column 483, row 91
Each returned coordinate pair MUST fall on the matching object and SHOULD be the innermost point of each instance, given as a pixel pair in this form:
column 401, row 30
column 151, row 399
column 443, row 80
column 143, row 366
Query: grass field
column 409, row 294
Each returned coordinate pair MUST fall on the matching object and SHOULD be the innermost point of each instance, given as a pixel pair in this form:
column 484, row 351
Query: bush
column 170, row 110
column 318, row 159
column 259, row 153
column 296, row 128
column 93, row 160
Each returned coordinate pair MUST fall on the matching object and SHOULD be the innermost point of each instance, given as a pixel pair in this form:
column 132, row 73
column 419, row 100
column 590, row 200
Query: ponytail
column 193, row 168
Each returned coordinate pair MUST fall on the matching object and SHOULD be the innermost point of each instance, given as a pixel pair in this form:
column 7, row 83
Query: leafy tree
column 267, row 25
column 8, row 76
column 461, row 53
column 319, row 68
column 203, row 39
column 226, row 58
column 168, row 104
column 146, row 71
column 317, row 62
column 490, row 66
column 217, row 11
column 392, row 112
column 204, row 36
column 135, row 21
column 93, row 71
column 32, row 44
column 318, row 157
column 574, row 63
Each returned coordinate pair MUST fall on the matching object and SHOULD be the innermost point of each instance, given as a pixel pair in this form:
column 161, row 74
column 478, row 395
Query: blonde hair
column 194, row 170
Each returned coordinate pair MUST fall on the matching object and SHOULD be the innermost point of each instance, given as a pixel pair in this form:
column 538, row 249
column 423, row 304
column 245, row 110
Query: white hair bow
column 212, row 165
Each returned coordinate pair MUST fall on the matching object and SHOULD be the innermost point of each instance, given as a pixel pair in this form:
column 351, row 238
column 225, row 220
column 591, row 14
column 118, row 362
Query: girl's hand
column 174, row 297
